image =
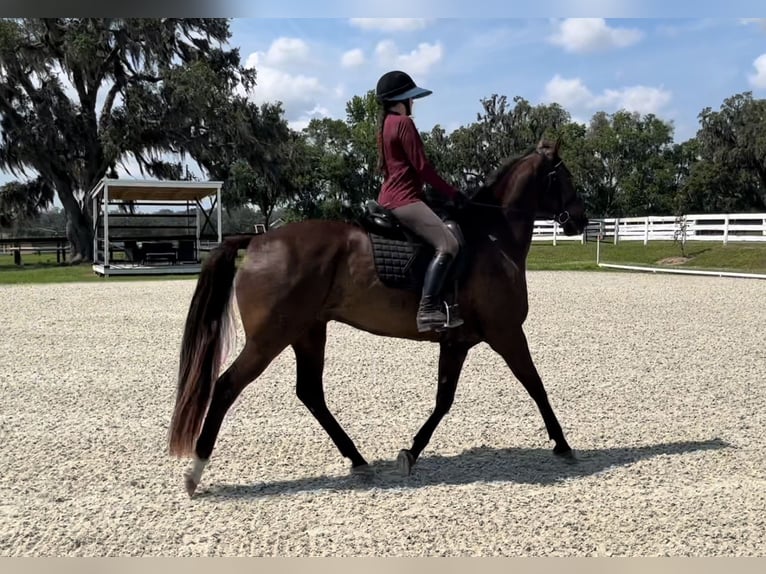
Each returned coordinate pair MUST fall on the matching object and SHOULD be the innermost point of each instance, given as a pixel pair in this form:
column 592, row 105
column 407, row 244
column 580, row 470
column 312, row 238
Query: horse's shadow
column 483, row 464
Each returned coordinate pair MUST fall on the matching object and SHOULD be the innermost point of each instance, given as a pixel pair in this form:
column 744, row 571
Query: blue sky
column 671, row 67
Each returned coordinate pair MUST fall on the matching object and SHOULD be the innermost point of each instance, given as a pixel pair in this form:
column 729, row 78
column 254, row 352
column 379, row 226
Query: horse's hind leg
column 248, row 366
column 451, row 359
column 512, row 345
column 310, row 356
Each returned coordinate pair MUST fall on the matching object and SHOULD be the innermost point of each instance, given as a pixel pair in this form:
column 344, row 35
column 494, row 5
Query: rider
column 402, row 160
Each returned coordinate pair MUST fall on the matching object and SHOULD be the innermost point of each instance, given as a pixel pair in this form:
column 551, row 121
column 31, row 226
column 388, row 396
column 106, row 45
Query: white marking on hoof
column 193, row 476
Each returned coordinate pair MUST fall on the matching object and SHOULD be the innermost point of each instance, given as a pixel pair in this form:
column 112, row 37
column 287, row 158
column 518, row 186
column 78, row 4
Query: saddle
column 401, row 257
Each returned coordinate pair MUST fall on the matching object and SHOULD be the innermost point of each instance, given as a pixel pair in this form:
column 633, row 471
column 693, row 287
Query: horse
column 295, row 279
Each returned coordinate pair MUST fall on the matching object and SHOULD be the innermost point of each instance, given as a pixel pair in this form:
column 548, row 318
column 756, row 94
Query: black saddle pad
column 401, row 257
column 400, row 263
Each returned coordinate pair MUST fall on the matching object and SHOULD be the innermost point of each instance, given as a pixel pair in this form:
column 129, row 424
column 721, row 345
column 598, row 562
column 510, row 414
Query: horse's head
column 557, row 197
column 539, row 185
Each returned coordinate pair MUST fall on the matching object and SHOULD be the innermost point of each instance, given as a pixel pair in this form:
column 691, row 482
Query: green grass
column 572, row 256
column 44, row 269
column 738, row 257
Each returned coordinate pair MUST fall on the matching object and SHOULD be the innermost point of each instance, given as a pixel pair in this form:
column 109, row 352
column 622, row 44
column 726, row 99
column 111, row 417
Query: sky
column 673, row 68
column 669, row 67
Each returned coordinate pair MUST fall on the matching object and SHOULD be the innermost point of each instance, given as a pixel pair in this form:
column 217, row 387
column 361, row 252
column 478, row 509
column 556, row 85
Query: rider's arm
column 413, row 147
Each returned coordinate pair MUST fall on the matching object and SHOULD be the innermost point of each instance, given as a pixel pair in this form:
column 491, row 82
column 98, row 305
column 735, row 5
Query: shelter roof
column 155, row 190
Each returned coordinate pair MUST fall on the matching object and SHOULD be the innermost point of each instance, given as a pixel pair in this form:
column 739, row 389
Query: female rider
column 405, row 168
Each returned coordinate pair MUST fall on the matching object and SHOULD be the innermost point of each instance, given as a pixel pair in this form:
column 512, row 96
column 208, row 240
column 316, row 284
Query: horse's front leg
column 451, row 359
column 513, row 347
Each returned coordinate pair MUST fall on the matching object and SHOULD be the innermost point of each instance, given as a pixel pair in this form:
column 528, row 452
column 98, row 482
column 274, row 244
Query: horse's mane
column 499, row 173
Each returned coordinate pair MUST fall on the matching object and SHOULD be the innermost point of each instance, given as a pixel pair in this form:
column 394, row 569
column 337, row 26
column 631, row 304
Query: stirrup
column 450, row 319
column 453, row 318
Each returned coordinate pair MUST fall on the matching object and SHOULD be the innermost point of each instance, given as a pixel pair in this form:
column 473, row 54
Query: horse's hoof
column 190, row 484
column 404, row 462
column 193, row 475
column 362, row 471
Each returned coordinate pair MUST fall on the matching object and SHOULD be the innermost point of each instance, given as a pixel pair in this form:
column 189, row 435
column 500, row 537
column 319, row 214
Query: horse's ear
column 541, row 144
column 557, row 145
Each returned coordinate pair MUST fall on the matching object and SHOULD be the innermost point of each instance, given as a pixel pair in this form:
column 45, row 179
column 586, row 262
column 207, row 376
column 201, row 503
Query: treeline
column 625, row 164
column 145, row 88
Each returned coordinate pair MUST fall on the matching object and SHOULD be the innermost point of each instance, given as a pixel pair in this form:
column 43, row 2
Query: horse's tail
column 206, row 339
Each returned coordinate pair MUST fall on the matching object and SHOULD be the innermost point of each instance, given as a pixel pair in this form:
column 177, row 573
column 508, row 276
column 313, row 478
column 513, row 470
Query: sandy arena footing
column 659, row 383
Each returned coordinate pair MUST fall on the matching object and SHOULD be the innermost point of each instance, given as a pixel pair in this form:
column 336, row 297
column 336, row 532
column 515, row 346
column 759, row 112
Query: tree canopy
column 81, row 95
column 136, row 88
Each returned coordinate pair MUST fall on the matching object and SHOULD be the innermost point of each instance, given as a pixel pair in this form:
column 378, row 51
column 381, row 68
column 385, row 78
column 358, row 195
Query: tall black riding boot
column 431, row 314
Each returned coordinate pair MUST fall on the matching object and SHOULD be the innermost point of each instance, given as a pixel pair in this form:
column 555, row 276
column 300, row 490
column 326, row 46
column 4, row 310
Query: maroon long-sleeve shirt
column 407, row 165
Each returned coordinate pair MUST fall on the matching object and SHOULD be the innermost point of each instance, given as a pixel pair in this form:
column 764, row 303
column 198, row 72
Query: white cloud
column 641, row 99
column 584, row 35
column 287, row 51
column 280, row 76
column 575, row 96
column 289, row 71
column 390, row 24
column 418, row 61
column 303, row 122
column 758, row 80
column 352, row 58
column 570, row 93
column 295, row 91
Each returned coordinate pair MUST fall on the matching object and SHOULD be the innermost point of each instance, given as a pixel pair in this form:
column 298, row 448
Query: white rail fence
column 720, row 228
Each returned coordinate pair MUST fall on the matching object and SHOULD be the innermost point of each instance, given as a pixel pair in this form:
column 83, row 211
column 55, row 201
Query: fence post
column 616, row 230
column 725, row 229
column 646, row 230
column 555, row 229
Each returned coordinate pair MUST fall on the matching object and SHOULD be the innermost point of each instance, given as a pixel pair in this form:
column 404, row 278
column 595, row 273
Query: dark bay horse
column 295, row 279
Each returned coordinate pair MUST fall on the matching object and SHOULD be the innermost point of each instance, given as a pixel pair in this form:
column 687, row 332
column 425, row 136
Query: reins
column 559, row 218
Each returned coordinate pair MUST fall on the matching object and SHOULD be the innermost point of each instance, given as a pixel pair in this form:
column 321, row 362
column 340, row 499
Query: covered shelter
column 146, row 247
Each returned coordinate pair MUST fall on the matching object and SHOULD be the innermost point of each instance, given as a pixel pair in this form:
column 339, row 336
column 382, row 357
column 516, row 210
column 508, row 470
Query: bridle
column 552, row 176
column 561, row 217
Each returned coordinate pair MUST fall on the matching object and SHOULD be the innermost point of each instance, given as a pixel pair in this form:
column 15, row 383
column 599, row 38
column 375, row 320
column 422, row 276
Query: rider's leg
column 422, row 220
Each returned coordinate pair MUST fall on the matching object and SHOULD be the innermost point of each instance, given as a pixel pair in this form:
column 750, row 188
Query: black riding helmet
column 396, row 86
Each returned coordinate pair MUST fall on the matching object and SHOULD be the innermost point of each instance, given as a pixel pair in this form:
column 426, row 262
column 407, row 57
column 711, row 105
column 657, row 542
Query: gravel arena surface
column 658, row 381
